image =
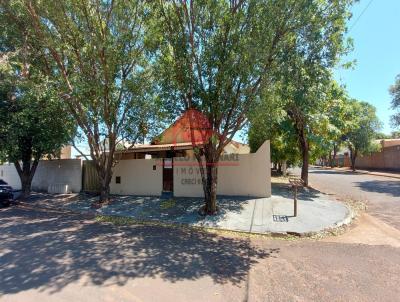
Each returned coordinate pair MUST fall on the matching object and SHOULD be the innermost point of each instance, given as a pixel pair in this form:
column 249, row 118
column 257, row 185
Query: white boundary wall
column 138, row 177
column 58, row 171
column 10, row 175
column 48, row 172
column 240, row 175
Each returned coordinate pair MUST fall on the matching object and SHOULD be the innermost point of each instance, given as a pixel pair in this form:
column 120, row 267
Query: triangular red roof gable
column 191, row 127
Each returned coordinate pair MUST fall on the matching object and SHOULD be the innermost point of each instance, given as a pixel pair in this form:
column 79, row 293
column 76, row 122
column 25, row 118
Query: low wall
column 60, row 171
column 137, row 177
column 10, row 175
column 63, row 171
column 238, row 174
column 388, row 159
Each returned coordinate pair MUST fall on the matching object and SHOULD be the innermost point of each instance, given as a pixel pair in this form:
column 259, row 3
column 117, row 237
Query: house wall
column 63, row 171
column 388, row 158
column 235, row 147
column 241, row 175
column 138, row 177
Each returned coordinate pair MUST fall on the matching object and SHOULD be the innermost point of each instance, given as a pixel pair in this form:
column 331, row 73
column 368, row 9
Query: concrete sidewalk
column 316, row 212
column 274, row 215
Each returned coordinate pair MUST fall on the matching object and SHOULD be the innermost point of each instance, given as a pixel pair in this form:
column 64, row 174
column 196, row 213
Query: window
column 118, row 179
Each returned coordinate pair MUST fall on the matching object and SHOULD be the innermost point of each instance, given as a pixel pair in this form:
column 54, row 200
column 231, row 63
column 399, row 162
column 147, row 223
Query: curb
column 157, row 223
column 379, row 174
column 344, row 222
column 382, row 174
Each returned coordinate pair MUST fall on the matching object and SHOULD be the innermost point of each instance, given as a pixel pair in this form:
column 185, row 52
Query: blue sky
column 376, row 37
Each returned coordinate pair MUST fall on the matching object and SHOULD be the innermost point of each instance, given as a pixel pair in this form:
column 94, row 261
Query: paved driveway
column 49, row 256
column 381, row 193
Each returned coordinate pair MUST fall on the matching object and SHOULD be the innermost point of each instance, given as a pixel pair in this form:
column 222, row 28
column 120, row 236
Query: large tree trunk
column 299, row 126
column 209, row 176
column 305, row 157
column 279, row 169
column 104, row 170
column 212, row 180
column 335, row 149
column 103, row 159
column 303, row 143
column 353, row 157
column 26, row 173
column 105, row 181
column 284, row 168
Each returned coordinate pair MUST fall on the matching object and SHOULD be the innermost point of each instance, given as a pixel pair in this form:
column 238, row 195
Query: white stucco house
column 166, row 165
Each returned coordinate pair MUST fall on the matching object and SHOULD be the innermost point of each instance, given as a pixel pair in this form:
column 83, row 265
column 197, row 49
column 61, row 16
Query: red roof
column 192, row 127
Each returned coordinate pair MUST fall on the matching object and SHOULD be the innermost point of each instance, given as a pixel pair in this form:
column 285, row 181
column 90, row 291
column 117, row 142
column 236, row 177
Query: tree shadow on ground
column 303, row 193
column 380, row 186
column 48, row 251
column 172, row 209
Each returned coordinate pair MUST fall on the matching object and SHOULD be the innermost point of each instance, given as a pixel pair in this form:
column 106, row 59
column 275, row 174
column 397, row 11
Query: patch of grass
column 127, row 221
column 358, row 206
column 280, row 179
column 117, row 220
column 167, row 204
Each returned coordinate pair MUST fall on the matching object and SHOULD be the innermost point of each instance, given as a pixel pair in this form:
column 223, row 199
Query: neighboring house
column 388, row 158
column 64, row 153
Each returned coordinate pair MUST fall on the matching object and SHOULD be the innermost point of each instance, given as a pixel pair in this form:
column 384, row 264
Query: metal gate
column 90, row 180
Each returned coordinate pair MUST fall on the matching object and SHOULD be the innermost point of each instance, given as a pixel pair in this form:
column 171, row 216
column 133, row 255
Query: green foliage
column 167, row 204
column 395, row 93
column 395, row 134
column 381, row 135
column 303, row 79
column 270, row 122
column 331, row 123
column 95, row 54
column 34, row 121
column 363, row 125
column 218, row 56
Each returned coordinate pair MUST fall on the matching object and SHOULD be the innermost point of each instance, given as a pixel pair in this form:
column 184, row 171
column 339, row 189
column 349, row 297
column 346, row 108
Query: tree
column 305, row 72
column 268, row 121
column 95, row 52
column 332, row 123
column 362, row 130
column 395, row 134
column 28, row 107
column 395, row 93
column 216, row 57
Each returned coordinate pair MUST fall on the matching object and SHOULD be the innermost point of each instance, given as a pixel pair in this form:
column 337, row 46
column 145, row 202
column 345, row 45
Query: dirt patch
column 369, row 230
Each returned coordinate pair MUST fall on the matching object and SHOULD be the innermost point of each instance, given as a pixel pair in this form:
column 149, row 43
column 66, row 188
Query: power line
column 362, row 13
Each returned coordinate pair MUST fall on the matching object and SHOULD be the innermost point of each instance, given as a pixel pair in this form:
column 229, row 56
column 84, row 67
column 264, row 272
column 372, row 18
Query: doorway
column 168, row 175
